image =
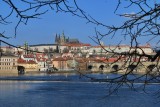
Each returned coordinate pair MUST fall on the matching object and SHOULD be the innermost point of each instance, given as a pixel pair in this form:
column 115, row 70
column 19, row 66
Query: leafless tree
column 144, row 22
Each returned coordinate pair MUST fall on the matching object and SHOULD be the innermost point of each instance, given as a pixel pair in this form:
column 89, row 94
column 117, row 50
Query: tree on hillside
column 143, row 22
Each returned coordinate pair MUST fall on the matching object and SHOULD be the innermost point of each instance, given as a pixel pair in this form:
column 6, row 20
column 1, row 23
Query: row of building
column 65, row 54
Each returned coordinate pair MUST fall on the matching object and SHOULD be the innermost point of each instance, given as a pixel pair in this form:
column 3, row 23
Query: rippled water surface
column 69, row 91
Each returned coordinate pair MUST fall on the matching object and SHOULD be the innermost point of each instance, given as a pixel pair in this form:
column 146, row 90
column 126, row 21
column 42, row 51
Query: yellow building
column 60, row 63
column 8, row 65
column 28, row 65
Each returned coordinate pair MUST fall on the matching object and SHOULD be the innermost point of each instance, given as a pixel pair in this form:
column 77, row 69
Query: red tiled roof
column 102, row 60
column 21, row 61
column 59, row 59
column 41, row 59
column 112, row 59
column 110, row 46
column 40, row 55
column 28, row 56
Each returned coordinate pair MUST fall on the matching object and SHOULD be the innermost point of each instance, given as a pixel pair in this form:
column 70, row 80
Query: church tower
column 63, row 39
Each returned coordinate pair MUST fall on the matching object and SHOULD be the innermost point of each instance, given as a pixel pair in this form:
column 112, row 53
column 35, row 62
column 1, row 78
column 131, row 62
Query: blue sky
column 43, row 31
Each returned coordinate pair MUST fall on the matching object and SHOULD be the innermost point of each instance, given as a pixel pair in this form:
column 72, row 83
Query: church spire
column 56, row 39
column 63, row 33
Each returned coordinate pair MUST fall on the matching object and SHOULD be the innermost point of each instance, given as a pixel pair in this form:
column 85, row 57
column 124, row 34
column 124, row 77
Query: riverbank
column 67, row 72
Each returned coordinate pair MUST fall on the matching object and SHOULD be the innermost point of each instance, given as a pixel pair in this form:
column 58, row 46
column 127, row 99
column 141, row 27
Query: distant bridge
column 122, row 67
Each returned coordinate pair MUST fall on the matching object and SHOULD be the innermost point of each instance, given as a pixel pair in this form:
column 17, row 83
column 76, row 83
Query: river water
column 70, row 91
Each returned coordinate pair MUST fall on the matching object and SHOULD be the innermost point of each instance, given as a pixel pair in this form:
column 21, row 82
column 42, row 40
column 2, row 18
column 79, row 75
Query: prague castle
column 62, row 39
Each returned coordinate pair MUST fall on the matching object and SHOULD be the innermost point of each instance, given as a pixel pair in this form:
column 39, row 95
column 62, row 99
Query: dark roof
column 74, row 40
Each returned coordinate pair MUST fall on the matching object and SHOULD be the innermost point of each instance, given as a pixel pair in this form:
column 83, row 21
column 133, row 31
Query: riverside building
column 8, row 65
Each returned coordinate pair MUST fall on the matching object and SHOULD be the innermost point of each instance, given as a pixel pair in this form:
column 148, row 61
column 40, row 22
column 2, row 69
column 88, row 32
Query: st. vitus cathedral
column 62, row 39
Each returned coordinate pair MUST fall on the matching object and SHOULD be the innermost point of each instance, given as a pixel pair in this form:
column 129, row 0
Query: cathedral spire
column 56, row 39
column 63, row 33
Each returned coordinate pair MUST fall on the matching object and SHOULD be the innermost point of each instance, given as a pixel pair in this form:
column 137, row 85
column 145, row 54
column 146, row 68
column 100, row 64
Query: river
column 72, row 90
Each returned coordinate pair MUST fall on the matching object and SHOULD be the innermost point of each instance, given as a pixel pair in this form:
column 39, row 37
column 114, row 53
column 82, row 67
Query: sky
column 43, row 30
